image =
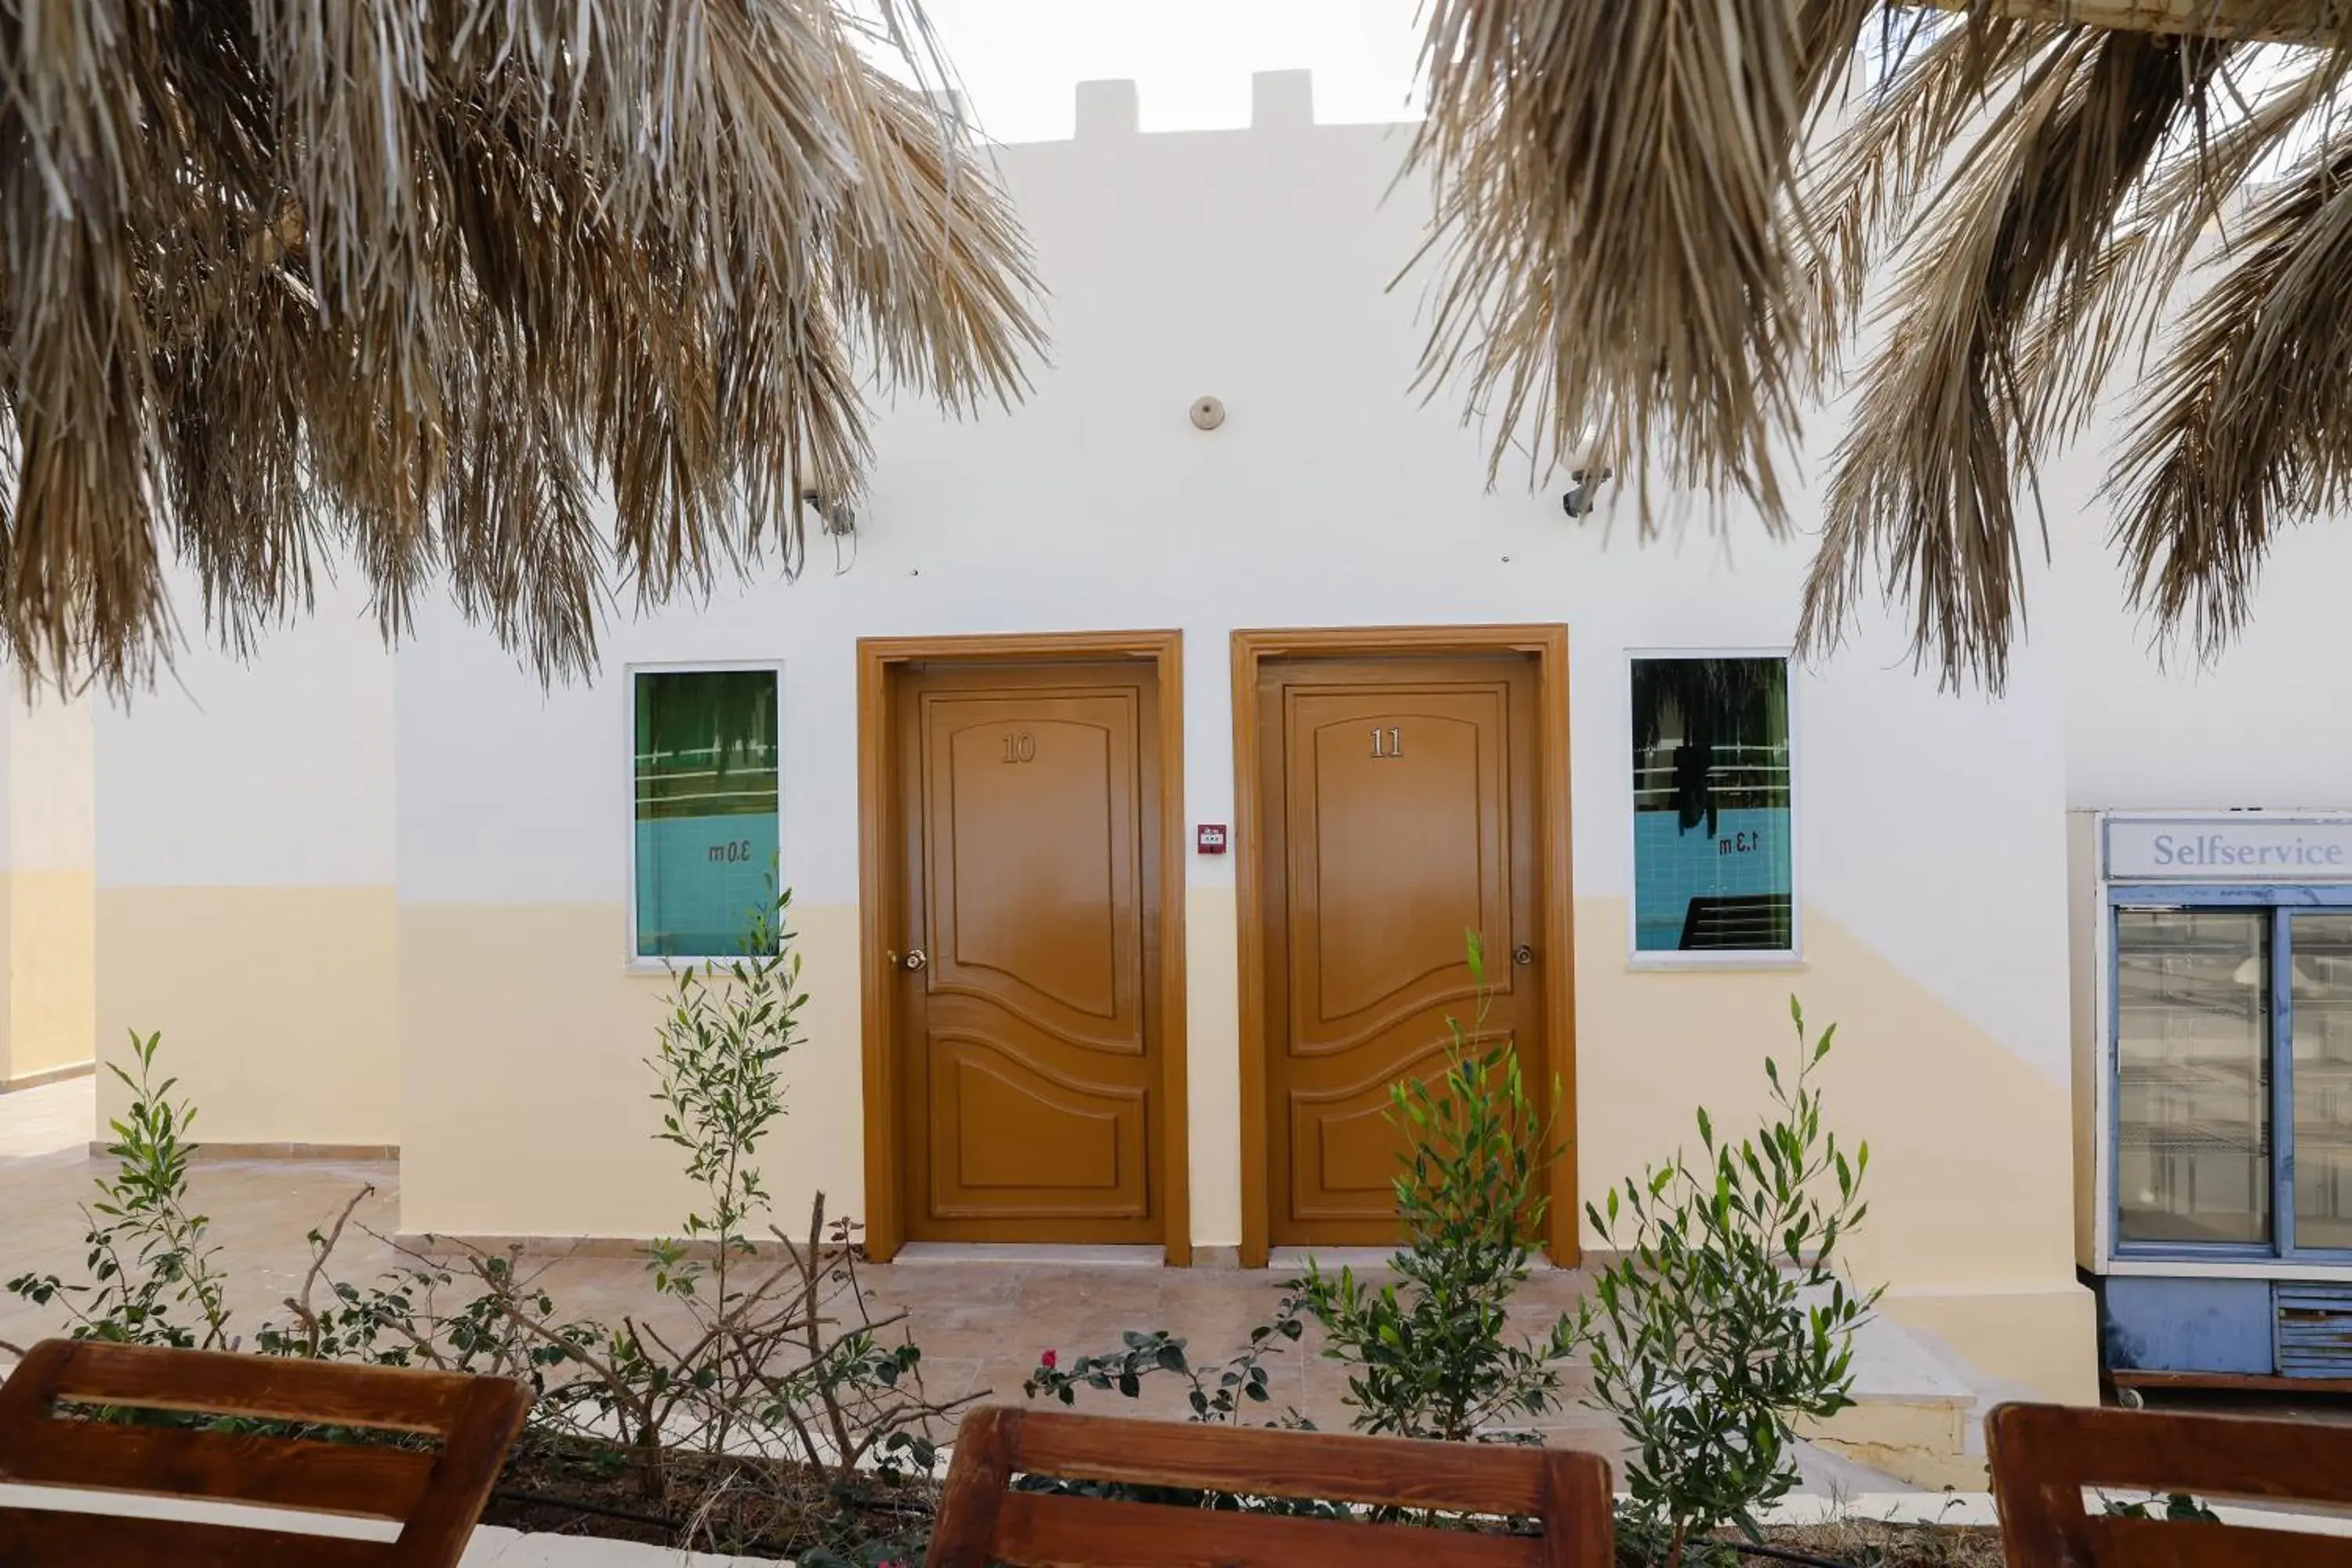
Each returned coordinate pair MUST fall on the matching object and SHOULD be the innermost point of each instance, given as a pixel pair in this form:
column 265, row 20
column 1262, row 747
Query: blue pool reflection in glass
column 701, row 882
column 1746, row 857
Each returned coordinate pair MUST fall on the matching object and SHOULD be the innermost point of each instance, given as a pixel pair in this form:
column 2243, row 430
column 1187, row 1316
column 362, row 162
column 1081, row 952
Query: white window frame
column 647, row 963
column 1793, row 957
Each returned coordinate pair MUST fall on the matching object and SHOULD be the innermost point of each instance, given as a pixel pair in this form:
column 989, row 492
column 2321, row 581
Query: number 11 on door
column 1393, row 738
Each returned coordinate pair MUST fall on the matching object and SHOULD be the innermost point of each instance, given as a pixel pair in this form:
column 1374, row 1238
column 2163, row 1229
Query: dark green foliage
column 1219, row 1394
column 698, row 728
column 1712, row 702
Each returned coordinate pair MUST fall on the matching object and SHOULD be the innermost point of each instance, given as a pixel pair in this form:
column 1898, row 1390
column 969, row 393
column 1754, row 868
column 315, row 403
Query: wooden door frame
column 880, row 663
column 1547, row 644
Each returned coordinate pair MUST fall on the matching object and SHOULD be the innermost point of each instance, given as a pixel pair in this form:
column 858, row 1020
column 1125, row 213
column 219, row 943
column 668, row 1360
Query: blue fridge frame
column 2193, row 1313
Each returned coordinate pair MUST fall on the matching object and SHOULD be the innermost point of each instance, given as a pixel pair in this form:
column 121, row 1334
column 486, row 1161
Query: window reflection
column 2321, row 952
column 1711, row 868
column 706, row 809
column 2192, row 1014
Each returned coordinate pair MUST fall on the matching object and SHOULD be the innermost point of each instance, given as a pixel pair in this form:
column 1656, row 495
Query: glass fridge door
column 2193, row 1077
column 2319, row 947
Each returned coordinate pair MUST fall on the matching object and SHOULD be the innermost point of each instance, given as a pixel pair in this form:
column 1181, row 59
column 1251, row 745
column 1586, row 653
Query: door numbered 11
column 1388, row 742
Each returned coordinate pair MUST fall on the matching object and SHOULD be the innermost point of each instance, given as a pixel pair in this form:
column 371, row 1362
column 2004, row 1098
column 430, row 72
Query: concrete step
column 1918, row 1410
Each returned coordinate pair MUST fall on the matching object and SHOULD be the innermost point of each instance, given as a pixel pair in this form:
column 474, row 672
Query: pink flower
column 1049, row 1361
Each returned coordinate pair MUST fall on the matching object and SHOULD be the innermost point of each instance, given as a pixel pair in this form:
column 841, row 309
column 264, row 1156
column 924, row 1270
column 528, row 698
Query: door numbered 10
column 1388, row 742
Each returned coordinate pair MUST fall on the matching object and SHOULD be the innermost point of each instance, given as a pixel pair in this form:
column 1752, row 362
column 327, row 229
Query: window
column 706, row 809
column 2234, row 1076
column 2193, row 1075
column 1713, row 865
column 2319, row 1068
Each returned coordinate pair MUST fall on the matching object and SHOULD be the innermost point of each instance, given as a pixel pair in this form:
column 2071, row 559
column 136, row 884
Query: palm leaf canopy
column 523, row 296
column 1667, row 226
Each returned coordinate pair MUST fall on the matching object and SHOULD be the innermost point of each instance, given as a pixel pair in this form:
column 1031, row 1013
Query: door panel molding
column 882, row 665
column 1547, row 645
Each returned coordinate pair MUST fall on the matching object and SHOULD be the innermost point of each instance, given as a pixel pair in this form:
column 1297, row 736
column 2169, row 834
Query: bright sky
column 1019, row 59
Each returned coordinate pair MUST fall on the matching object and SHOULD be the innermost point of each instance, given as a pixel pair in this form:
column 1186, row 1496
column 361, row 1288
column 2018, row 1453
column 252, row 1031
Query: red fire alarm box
column 1209, row 838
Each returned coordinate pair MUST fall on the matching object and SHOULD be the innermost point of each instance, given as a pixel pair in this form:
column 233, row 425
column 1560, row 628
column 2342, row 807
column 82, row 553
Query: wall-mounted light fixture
column 836, row 517
column 1581, row 483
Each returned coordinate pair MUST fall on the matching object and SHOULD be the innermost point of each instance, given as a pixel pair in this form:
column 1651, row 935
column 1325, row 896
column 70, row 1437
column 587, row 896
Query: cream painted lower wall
column 46, row 936
column 525, row 1085
column 504, row 1048
column 524, row 1089
column 2042, row 1339
column 49, row 1019
column 52, row 970
column 277, row 1007
column 1212, row 1062
column 1972, row 1221
column 1971, row 1147
column 1971, row 1180
column 527, row 1105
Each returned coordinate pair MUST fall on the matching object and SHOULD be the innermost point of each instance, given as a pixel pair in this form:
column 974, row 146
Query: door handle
column 915, row 959
column 1523, row 955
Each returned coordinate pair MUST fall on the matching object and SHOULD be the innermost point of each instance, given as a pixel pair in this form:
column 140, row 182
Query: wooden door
column 1399, row 813
column 1028, row 1068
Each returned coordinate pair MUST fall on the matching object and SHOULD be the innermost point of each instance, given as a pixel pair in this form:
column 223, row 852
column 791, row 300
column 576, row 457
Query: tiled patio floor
column 980, row 1325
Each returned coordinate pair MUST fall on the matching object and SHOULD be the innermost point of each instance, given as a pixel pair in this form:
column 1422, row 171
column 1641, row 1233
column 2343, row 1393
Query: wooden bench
column 434, row 1494
column 2044, row 1455
column 983, row 1519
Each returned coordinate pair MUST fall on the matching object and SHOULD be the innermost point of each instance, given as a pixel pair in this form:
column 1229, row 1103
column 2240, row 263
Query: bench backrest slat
column 266, row 1388
column 59, row 1426
column 1034, row 1527
column 40, row 1538
column 317, row 1478
column 983, row 1520
column 2044, row 1455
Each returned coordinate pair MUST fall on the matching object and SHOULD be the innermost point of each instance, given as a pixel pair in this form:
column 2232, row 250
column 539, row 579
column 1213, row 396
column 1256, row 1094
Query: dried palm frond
column 1660, row 224
column 2239, row 21
column 2246, row 425
column 1866, row 183
column 1609, row 179
column 1927, row 477
column 436, row 287
column 2069, row 350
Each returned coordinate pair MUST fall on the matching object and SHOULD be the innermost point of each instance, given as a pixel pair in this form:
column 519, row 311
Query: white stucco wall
column 2152, row 726
column 244, row 871
column 381, row 899
column 1254, row 265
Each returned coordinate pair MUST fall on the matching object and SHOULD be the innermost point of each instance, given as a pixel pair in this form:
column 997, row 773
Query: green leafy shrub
column 718, row 1079
column 1430, row 1355
column 154, row 1279
column 1725, row 1320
